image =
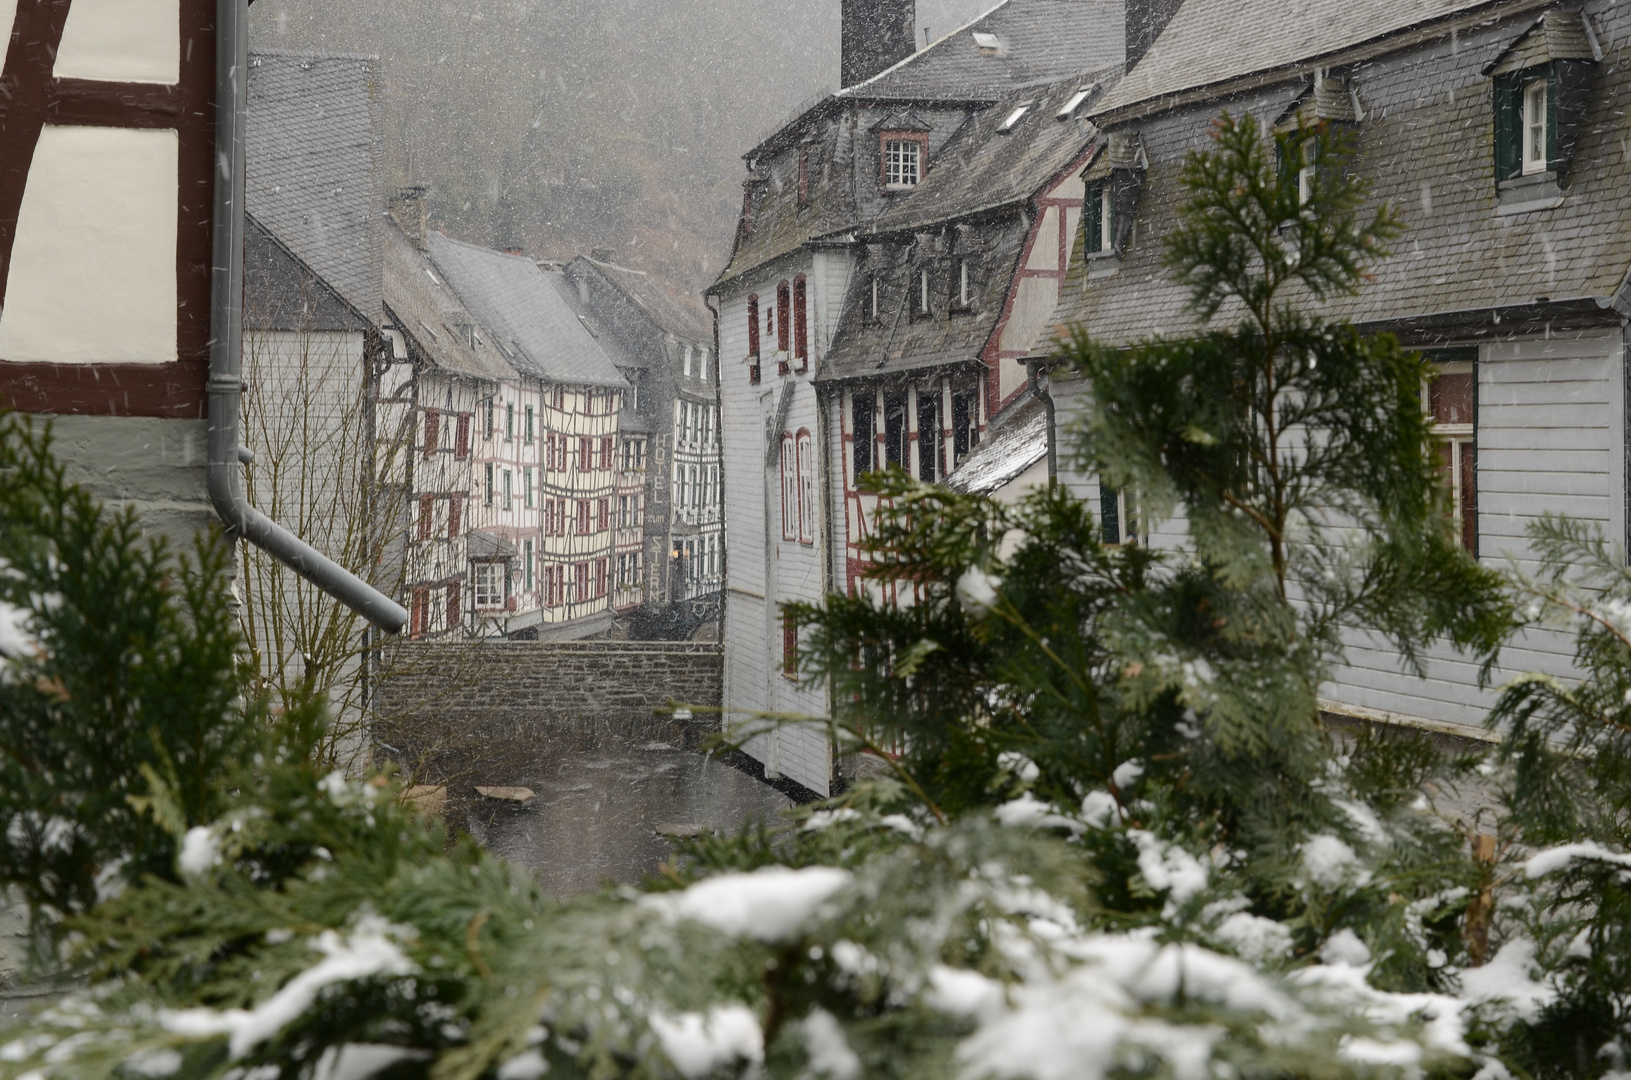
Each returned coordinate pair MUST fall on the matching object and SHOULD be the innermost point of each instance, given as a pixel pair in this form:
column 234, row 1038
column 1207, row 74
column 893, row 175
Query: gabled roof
column 686, row 321
column 1213, row 41
column 314, row 165
column 524, row 314
column 983, row 167
column 428, row 311
column 282, row 293
column 1038, row 41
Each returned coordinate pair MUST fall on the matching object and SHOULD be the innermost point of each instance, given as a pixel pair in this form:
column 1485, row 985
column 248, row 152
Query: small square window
column 491, row 580
column 903, row 160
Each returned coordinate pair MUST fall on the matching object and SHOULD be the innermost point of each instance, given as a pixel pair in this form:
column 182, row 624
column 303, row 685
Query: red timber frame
column 993, row 354
column 31, row 98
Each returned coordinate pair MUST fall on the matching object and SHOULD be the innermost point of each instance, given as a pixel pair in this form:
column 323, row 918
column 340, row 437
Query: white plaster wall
column 121, row 41
column 93, row 274
column 8, row 16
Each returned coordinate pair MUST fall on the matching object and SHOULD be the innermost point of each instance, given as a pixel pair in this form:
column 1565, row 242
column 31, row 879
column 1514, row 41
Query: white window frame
column 508, row 490
column 962, row 282
column 1107, row 231
column 790, row 493
column 805, row 450
column 1534, row 126
column 488, row 582
column 903, row 163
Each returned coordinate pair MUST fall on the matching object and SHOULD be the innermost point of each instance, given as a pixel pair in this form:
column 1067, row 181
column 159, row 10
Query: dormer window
column 872, row 303
column 1076, row 101
column 1096, row 218
column 987, row 44
column 920, row 291
column 1011, row 121
column 962, row 288
column 903, row 163
column 1535, row 127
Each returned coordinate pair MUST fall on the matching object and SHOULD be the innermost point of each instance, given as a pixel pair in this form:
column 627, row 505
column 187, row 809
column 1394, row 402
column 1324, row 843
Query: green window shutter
column 1508, row 126
column 1551, row 116
column 1091, row 207
column 1109, row 514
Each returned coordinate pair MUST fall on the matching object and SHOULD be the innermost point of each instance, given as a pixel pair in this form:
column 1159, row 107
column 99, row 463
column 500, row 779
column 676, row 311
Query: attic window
column 1015, row 117
column 987, row 44
column 902, row 157
column 1076, row 100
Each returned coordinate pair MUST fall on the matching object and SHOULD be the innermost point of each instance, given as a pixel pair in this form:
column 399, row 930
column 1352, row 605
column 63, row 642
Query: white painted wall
column 98, row 219
column 121, row 41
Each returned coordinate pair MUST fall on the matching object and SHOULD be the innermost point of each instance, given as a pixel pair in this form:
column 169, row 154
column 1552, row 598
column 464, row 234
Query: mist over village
column 967, row 539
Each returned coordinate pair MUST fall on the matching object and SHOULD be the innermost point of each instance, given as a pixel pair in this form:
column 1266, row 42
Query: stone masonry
column 577, row 687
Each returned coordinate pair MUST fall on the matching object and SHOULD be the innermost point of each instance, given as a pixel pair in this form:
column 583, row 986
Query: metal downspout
column 1037, row 374
column 225, row 480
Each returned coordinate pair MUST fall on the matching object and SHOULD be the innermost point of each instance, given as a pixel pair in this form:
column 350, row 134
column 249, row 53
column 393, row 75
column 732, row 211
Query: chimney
column 1145, row 21
column 407, row 208
column 876, row 34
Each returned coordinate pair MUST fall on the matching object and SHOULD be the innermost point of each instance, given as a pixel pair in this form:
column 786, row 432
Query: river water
column 603, row 807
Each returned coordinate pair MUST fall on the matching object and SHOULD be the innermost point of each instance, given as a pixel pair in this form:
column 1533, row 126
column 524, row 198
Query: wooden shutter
column 1551, row 118
column 790, row 645
column 461, row 447
column 454, row 615
column 454, row 506
column 1508, row 126
column 427, row 512
column 753, row 325
column 1092, row 220
column 783, row 302
column 801, row 322
column 433, row 430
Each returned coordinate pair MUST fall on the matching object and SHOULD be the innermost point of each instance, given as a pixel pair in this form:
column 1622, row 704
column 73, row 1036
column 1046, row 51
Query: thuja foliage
column 116, row 662
column 303, row 924
column 1109, row 837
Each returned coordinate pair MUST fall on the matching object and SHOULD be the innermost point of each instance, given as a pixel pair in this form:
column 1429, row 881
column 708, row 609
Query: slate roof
column 1427, row 144
column 525, row 314
column 282, row 293
column 1043, row 42
column 980, row 170
column 1210, row 41
column 900, row 341
column 314, row 165
column 981, row 167
column 428, row 311
column 686, row 320
column 1040, row 41
column 1016, row 440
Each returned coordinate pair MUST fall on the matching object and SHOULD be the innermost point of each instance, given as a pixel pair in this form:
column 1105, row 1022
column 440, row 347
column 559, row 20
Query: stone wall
column 576, row 687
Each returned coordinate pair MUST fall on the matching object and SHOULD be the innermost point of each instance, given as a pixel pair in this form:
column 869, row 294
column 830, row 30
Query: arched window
column 801, row 323
column 784, row 301
column 790, row 490
column 753, row 325
column 807, row 488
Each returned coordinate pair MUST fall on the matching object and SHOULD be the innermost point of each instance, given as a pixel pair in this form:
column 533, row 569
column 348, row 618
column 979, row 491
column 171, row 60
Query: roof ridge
column 302, row 54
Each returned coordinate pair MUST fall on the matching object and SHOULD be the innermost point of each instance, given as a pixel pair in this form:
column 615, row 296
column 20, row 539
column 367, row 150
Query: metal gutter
column 226, row 385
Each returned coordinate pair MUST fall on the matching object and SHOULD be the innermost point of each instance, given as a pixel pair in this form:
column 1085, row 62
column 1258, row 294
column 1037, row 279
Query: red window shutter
column 606, row 453
column 801, row 323
column 605, row 509
column 586, row 453
column 600, row 577
column 427, row 512
column 461, row 448
column 433, row 430
column 784, row 301
column 454, row 616
column 753, row 325
column 583, row 516
column 790, row 646
column 421, row 604
column 454, row 508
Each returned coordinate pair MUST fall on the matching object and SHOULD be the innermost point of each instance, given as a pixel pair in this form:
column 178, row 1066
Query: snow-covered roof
column 313, row 165
column 524, row 313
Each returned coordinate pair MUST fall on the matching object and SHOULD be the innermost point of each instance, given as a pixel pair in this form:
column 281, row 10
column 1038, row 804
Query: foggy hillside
column 559, row 126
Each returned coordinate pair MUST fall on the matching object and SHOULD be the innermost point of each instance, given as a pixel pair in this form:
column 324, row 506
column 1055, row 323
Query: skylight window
column 988, row 44
column 1077, row 99
column 1016, row 116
